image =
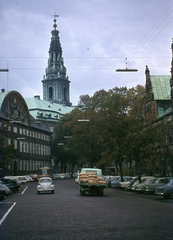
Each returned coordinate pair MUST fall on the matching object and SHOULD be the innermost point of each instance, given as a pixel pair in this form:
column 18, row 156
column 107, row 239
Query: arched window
column 50, row 93
column 65, row 94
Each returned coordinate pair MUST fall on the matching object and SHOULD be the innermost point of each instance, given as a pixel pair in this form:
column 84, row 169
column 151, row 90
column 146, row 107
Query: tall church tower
column 55, row 82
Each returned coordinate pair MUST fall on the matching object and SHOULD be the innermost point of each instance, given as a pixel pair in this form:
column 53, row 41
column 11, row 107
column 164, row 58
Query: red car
column 34, row 176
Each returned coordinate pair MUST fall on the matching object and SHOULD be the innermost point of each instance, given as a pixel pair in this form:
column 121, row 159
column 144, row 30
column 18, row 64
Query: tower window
column 50, row 93
column 65, row 93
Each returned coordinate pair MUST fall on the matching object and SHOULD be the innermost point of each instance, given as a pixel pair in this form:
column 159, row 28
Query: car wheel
column 171, row 195
column 82, row 193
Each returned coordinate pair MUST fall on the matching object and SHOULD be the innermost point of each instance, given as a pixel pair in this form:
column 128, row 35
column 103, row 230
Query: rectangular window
column 24, row 165
column 33, row 165
column 21, row 146
column 9, row 141
column 21, row 165
column 15, row 129
column 41, row 149
column 27, row 165
column 38, row 135
column 30, row 146
column 44, row 150
column 38, row 149
column 15, row 144
column 20, row 130
column 51, row 129
column 27, row 132
column 24, row 132
column 33, row 148
column 30, row 163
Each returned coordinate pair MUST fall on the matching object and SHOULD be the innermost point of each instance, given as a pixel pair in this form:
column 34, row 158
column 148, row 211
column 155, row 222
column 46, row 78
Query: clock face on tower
column 15, row 108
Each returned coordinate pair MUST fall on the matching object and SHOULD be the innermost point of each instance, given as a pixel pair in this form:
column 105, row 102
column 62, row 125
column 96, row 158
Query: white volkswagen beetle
column 45, row 185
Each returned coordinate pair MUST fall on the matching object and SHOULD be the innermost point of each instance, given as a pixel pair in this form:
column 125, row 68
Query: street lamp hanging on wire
column 127, row 69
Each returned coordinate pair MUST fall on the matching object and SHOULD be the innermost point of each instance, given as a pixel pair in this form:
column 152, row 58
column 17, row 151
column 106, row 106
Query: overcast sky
column 96, row 36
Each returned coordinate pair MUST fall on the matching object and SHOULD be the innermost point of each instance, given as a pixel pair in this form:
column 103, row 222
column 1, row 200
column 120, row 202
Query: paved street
column 65, row 215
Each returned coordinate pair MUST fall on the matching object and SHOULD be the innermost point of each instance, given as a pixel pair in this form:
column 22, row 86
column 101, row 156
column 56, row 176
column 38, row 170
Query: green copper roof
column 44, row 109
column 161, row 87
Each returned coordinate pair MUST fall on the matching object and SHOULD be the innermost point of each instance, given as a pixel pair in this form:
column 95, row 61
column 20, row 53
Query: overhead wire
column 142, row 42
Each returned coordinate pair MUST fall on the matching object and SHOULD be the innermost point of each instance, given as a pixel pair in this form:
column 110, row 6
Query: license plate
column 87, row 188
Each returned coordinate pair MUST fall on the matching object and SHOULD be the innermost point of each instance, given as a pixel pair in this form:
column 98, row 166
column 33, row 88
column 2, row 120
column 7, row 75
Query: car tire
column 52, row 191
column 82, row 193
column 171, row 195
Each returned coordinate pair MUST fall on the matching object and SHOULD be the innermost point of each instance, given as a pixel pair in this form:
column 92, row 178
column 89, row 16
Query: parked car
column 67, row 176
column 29, row 178
column 123, row 185
column 34, row 176
column 76, row 179
column 166, row 190
column 112, row 180
column 7, row 190
column 21, row 178
column 151, row 187
column 62, row 175
column 45, row 185
column 132, row 181
column 132, row 187
column 10, row 183
column 19, row 183
column 2, row 192
column 138, row 187
column 56, row 176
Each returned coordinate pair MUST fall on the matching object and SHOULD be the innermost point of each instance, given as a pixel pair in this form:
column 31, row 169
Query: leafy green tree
column 8, row 152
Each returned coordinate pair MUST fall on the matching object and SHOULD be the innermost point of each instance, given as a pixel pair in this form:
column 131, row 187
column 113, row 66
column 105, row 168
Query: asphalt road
column 65, row 215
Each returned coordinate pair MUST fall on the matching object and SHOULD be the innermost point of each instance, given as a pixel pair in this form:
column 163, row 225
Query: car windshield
column 45, row 180
column 170, row 183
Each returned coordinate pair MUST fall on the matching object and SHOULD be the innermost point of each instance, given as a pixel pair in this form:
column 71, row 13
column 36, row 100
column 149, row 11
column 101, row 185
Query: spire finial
column 55, row 16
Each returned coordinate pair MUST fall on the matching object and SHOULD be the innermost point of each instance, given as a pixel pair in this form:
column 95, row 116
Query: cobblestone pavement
column 66, row 215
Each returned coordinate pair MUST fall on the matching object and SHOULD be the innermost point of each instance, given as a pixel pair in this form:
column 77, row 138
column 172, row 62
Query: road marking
column 24, row 190
column 5, row 215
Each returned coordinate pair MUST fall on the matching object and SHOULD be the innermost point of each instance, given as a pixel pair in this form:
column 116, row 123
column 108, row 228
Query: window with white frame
column 15, row 144
column 33, row 165
column 30, row 146
column 20, row 130
column 24, row 164
column 27, row 165
column 21, row 146
column 41, row 149
column 30, row 161
column 38, row 149
column 33, row 148
column 15, row 129
column 21, row 165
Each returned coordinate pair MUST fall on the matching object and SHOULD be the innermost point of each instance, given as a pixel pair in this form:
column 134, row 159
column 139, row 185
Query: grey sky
column 96, row 36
